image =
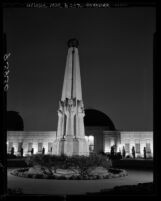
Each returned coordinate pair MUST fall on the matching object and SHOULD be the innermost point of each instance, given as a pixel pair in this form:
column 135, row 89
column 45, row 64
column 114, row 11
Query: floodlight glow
column 86, row 137
column 91, row 140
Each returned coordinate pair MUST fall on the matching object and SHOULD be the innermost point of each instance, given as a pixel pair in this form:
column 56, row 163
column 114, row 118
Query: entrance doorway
column 90, row 140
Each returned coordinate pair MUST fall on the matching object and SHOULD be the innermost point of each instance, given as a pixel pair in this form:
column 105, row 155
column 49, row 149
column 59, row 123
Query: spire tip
column 73, row 42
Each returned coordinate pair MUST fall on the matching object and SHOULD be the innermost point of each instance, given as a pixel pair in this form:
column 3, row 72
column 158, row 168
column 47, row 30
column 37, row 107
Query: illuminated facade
column 97, row 141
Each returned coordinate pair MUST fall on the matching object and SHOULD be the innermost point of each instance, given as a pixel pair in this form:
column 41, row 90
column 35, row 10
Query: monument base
column 70, row 146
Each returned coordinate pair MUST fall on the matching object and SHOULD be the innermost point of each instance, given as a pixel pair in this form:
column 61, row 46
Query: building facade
column 99, row 140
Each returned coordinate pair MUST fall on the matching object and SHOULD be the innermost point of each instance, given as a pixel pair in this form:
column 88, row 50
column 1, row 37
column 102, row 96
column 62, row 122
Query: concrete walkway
column 64, row 187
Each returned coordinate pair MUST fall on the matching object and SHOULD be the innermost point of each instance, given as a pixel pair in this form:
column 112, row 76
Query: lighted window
column 19, row 146
column 148, row 148
column 50, row 146
column 29, row 147
column 90, row 140
column 40, row 147
column 91, row 148
column 127, row 147
column 137, row 148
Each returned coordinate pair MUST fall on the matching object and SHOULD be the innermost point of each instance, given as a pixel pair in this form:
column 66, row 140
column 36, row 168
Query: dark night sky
column 116, row 61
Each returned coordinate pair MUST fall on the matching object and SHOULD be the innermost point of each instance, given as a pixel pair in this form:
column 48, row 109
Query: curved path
column 64, row 187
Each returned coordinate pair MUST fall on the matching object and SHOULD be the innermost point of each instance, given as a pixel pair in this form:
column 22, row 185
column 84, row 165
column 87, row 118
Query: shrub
column 97, row 176
column 128, row 156
column 61, row 177
column 39, row 176
column 115, row 171
column 56, row 177
column 29, row 175
column 25, row 175
column 15, row 173
column 52, row 177
column 47, row 162
column 45, row 177
column 106, row 177
column 78, row 177
column 82, row 164
column 23, row 170
column 11, row 156
column 34, row 176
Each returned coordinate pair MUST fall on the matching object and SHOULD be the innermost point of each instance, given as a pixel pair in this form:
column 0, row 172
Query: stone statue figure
column 123, row 152
column 21, row 152
column 133, row 152
column 12, row 151
column 144, row 150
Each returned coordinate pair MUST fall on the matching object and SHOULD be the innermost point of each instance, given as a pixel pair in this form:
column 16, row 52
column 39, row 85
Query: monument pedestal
column 70, row 146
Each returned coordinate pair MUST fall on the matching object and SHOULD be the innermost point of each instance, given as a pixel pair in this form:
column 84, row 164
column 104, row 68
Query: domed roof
column 14, row 121
column 97, row 118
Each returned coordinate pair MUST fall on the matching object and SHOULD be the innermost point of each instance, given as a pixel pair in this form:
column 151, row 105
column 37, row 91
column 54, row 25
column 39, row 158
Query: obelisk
column 70, row 138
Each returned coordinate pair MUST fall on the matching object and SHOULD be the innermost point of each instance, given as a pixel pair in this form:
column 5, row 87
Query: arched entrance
column 96, row 122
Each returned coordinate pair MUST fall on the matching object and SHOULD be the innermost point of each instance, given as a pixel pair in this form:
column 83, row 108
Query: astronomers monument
column 70, row 139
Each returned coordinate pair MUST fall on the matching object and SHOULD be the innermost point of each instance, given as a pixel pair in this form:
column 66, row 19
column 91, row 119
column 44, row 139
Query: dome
column 14, row 121
column 97, row 118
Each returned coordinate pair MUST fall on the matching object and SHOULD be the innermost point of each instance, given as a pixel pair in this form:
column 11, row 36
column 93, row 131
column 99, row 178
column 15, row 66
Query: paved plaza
column 64, row 187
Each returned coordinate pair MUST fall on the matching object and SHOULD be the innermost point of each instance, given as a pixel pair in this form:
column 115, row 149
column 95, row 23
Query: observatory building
column 80, row 131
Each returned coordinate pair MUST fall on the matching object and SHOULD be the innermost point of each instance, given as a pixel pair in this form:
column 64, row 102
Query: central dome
column 97, row 118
